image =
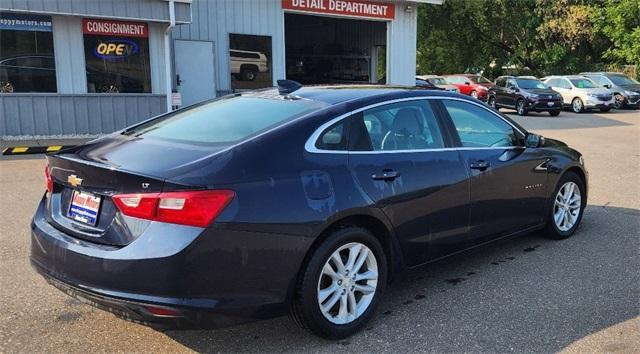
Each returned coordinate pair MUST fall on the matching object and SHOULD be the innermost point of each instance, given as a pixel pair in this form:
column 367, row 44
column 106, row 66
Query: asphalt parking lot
column 527, row 294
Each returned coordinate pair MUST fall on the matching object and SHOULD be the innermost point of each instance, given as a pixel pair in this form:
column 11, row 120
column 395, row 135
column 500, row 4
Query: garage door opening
column 326, row 50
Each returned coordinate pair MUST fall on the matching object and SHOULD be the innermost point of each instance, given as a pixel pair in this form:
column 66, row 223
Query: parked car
column 474, row 85
column 626, row 90
column 524, row 94
column 420, row 83
column 438, row 81
column 262, row 203
column 580, row 93
column 245, row 65
column 28, row 73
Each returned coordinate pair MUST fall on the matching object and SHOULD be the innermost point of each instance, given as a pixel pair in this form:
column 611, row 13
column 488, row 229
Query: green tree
column 620, row 23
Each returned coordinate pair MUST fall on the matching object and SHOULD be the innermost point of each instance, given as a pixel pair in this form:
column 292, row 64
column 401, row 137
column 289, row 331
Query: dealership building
column 84, row 68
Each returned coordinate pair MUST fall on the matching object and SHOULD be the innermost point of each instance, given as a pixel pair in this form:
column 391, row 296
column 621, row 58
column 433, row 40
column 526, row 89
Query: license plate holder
column 84, row 207
column 550, row 104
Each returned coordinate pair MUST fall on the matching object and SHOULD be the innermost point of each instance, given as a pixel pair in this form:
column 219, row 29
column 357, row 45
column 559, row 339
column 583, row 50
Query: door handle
column 386, row 175
column 479, row 165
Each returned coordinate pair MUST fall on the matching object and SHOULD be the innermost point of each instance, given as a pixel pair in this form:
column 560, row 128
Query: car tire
column 474, row 94
column 492, row 102
column 554, row 113
column 520, row 107
column 557, row 227
column 605, row 110
column 330, row 323
column 618, row 102
column 248, row 74
column 577, row 106
column 109, row 88
column 6, row 87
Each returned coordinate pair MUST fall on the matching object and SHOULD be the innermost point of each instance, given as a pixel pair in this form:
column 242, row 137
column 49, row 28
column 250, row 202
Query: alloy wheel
column 520, row 107
column 492, row 102
column 577, row 105
column 474, row 94
column 6, row 87
column 567, row 206
column 619, row 101
column 347, row 283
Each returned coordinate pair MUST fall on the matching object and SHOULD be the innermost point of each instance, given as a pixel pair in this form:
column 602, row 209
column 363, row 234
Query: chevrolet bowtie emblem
column 74, row 180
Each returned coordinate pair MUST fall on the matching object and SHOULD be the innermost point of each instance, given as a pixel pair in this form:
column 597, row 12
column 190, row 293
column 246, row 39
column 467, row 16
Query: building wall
column 214, row 20
column 145, row 10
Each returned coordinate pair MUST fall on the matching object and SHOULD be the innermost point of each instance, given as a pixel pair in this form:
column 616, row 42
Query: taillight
column 47, row 179
column 194, row 208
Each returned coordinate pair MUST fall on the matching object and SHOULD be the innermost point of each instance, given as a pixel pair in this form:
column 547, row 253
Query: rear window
column 226, row 120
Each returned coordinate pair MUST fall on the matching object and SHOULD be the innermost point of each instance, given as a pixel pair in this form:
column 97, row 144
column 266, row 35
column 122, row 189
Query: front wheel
column 554, row 113
column 577, row 105
column 619, row 101
column 492, row 102
column 520, row 108
column 605, row 110
column 568, row 203
column 6, row 87
column 474, row 94
column 339, row 288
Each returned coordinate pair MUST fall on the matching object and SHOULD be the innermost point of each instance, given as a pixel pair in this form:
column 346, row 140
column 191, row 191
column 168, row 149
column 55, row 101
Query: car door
column 508, row 182
column 498, row 89
column 511, row 93
column 402, row 160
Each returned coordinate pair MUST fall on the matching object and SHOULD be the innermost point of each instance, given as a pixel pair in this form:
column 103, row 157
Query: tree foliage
column 537, row 37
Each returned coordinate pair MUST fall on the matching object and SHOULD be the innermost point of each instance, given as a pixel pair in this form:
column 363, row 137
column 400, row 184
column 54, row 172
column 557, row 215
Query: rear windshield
column 225, row 121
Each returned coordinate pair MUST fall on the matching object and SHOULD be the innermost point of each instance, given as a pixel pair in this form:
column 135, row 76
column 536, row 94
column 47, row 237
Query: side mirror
column 533, row 140
column 607, row 86
column 467, row 83
column 516, row 89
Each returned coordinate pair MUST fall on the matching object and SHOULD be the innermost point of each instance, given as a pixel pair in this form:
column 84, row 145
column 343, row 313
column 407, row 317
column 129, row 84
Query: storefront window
column 250, row 61
column 26, row 54
column 117, row 56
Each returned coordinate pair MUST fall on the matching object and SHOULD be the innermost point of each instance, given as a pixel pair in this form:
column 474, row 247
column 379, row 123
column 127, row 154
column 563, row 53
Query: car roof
column 604, row 73
column 336, row 94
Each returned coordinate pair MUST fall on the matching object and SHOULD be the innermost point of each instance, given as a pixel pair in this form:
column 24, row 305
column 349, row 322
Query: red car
column 474, row 85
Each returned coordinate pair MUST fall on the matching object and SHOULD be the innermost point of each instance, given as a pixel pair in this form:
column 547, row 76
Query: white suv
column 581, row 93
column 245, row 65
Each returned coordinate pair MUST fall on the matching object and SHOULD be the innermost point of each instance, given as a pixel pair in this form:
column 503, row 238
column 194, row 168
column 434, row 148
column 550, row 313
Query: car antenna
column 286, row 87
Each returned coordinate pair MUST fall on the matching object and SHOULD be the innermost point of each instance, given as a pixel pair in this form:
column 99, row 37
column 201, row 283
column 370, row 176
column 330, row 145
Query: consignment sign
column 353, row 8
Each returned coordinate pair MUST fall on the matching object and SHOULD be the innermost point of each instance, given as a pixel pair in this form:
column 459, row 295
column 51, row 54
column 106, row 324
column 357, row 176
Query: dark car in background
column 420, row 83
column 474, row 85
column 28, row 73
column 626, row 90
column 524, row 94
column 298, row 200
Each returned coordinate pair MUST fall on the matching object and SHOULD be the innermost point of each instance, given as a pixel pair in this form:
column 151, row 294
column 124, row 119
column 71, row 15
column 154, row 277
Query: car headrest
column 407, row 122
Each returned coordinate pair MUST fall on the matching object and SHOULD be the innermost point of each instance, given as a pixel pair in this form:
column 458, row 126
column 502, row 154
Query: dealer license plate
column 84, row 207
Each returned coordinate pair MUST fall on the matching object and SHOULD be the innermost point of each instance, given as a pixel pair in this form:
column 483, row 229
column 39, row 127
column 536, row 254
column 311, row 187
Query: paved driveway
column 527, row 294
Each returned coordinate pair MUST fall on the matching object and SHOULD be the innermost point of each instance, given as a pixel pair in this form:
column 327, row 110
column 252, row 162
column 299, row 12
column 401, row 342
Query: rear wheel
column 474, row 94
column 492, row 102
column 554, row 113
column 520, row 108
column 605, row 110
column 577, row 105
column 568, row 203
column 6, row 87
column 341, row 284
column 248, row 74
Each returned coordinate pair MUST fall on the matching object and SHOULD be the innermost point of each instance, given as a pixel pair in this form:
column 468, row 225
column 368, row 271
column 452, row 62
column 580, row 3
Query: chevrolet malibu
column 295, row 200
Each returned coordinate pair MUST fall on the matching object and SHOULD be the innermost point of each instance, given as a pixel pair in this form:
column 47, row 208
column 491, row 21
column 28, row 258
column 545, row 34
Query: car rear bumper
column 209, row 278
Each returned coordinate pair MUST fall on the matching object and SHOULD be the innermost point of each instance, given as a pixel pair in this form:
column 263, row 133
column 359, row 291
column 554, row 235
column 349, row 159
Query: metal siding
column 56, row 114
column 69, row 54
column 401, row 47
column 148, row 10
column 214, row 20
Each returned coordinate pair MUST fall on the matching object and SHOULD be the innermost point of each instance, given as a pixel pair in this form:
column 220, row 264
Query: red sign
column 343, row 7
column 115, row 28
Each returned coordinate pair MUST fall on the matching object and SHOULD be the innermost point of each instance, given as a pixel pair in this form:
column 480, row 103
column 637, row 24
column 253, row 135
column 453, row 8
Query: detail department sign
column 356, row 8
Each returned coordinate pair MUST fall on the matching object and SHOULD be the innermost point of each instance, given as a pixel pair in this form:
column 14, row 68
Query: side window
column 552, row 83
column 477, row 127
column 500, row 82
column 511, row 83
column 564, row 83
column 334, row 137
column 410, row 125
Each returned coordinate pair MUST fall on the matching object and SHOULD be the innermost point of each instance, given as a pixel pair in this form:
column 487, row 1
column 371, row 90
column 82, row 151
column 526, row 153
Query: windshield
column 480, row 79
column 531, row 84
column 622, row 80
column 583, row 83
column 226, row 120
column 437, row 81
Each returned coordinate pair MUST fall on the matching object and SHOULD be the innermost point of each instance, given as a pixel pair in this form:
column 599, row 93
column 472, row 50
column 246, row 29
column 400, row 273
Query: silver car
column 581, row 93
column 626, row 90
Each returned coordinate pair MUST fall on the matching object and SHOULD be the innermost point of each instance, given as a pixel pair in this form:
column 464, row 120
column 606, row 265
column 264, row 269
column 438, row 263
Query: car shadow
column 527, row 293
column 568, row 120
